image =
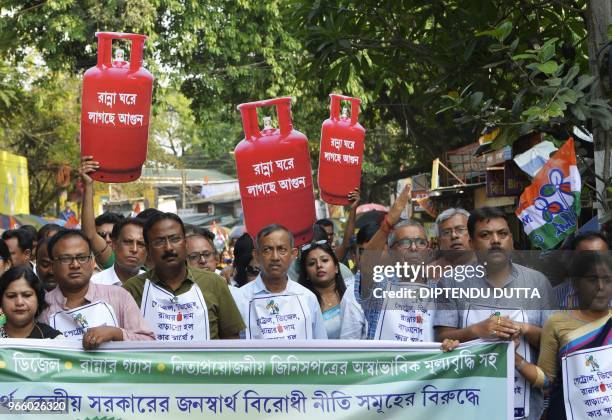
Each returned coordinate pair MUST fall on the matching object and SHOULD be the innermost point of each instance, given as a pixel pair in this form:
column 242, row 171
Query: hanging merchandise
column 341, row 156
column 274, row 172
column 116, row 106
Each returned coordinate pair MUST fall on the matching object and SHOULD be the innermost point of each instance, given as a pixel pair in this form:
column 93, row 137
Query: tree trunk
column 598, row 18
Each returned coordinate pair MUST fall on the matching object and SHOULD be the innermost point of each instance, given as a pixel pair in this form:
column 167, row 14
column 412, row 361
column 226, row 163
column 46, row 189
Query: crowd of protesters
column 151, row 277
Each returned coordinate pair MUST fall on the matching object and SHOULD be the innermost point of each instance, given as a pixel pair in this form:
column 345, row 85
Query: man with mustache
column 44, row 266
column 182, row 303
column 20, row 244
column 274, row 307
column 80, row 309
column 201, row 252
column 403, row 244
column 492, row 318
column 453, row 240
column 130, row 253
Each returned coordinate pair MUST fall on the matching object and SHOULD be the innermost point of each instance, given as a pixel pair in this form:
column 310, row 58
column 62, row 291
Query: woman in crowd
column 566, row 332
column 320, row 273
column 23, row 300
column 5, row 257
column 245, row 266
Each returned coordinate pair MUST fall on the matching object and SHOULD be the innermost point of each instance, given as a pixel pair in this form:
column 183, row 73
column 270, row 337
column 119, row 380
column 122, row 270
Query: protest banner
column 587, row 383
column 349, row 380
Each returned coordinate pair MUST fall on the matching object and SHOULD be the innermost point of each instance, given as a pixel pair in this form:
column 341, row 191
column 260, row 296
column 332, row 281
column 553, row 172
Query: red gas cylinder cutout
column 341, row 152
column 116, row 105
column 274, row 172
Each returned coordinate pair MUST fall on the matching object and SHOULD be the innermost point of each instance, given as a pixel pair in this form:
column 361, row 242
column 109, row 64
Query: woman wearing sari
column 566, row 332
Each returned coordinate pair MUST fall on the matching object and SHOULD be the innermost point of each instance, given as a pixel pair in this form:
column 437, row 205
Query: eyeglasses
column 407, row 243
column 173, row 239
column 194, row 256
column 306, row 247
column 459, row 231
column 252, row 271
column 69, row 259
column 104, row 235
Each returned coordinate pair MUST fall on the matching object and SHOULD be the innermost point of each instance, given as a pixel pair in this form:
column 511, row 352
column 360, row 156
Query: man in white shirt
column 271, row 306
column 354, row 323
column 130, row 253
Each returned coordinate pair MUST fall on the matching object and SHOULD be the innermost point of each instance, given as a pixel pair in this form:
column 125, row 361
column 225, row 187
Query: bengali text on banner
column 231, row 380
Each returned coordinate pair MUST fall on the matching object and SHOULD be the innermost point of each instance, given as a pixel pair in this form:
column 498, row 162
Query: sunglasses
column 306, row 247
column 104, row 234
column 252, row 271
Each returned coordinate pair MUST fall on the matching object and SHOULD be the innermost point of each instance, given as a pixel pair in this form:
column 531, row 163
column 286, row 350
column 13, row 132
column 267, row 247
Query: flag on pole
column 550, row 206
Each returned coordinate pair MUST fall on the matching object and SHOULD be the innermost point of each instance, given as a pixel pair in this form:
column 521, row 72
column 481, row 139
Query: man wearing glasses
column 453, row 241
column 397, row 244
column 95, row 313
column 181, row 303
column 130, row 253
column 105, row 223
column 201, row 252
column 498, row 318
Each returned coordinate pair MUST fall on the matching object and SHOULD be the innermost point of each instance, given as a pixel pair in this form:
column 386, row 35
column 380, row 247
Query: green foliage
column 8, row 93
column 431, row 74
column 62, row 31
column 43, row 127
column 172, row 129
column 553, row 95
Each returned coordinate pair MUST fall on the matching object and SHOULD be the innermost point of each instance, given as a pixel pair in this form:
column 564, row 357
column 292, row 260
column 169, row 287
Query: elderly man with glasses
column 201, row 252
column 182, row 303
column 80, row 309
column 454, row 244
column 391, row 302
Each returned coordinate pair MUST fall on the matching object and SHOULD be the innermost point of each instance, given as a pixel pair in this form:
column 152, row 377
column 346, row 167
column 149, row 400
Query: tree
column 63, row 32
column 44, row 128
column 552, row 95
column 599, row 24
column 172, row 127
column 410, row 58
column 405, row 58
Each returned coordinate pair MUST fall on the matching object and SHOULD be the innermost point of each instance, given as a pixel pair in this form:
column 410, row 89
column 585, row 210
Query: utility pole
column 598, row 19
column 184, row 187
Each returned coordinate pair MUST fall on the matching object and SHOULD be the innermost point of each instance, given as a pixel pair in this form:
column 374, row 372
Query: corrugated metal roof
column 192, row 175
column 218, row 199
